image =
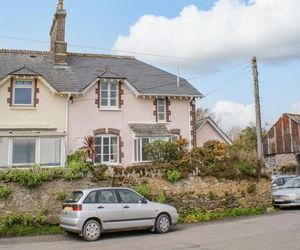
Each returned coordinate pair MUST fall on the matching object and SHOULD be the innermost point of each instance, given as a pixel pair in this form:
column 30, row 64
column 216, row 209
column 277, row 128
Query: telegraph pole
column 257, row 108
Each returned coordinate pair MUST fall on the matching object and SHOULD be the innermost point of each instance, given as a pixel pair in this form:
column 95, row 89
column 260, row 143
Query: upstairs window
column 23, row 93
column 161, row 109
column 109, row 94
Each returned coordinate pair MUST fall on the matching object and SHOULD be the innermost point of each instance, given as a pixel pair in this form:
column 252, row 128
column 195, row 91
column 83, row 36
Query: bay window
column 23, row 93
column 50, row 151
column 140, row 145
column 3, row 151
column 107, row 149
column 21, row 151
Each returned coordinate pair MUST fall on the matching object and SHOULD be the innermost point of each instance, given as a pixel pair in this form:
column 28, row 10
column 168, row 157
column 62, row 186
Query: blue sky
column 101, row 23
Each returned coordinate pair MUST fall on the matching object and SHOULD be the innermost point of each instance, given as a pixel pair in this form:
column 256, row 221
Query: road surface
column 276, row 231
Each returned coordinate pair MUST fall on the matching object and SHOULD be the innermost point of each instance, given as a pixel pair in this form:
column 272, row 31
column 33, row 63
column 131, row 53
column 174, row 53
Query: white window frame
column 110, row 162
column 23, row 87
column 109, row 106
column 139, row 148
column 164, row 113
column 37, row 151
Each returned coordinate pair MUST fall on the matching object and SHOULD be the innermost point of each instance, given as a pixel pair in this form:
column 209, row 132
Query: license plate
column 279, row 200
column 68, row 209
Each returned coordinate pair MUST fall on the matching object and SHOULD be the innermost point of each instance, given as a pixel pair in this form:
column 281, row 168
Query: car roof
column 87, row 190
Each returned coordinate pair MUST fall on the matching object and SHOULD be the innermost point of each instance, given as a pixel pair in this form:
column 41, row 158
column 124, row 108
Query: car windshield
column 74, row 197
column 292, row 183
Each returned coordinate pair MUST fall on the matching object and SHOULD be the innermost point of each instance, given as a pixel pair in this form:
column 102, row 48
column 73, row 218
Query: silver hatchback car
column 91, row 212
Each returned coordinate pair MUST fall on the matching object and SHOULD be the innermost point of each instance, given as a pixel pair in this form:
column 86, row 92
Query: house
column 282, row 142
column 208, row 130
column 51, row 100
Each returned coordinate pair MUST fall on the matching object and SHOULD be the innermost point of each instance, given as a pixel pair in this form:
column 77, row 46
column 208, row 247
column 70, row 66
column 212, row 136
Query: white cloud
column 296, row 107
column 233, row 114
column 232, row 30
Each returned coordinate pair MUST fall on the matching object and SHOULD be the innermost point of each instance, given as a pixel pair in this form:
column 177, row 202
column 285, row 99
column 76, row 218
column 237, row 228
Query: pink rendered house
column 60, row 97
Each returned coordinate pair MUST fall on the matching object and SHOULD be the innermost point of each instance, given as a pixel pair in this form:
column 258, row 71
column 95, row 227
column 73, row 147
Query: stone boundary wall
column 206, row 194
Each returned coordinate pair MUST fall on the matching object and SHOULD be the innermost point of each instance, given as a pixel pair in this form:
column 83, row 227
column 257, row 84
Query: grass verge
column 24, row 230
column 194, row 215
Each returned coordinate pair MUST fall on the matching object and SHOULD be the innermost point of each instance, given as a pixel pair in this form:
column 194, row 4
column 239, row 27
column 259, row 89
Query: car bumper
column 71, row 224
column 174, row 219
column 286, row 203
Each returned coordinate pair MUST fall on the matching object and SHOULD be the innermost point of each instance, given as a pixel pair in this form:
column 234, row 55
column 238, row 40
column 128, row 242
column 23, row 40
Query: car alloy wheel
column 91, row 230
column 163, row 224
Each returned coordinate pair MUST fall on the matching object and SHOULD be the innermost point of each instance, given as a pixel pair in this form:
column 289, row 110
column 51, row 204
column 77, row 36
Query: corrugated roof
column 295, row 117
column 84, row 69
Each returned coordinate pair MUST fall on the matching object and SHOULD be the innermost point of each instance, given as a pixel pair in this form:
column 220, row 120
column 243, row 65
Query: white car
column 91, row 212
column 288, row 195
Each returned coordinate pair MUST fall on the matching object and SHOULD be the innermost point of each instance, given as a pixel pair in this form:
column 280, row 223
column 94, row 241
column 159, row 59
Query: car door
column 107, row 208
column 136, row 213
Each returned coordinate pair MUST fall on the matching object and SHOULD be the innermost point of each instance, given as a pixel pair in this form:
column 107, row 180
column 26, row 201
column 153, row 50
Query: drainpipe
column 190, row 127
column 67, row 127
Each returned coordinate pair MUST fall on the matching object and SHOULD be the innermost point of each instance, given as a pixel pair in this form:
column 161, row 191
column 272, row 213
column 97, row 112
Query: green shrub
column 143, row 189
column 172, row 152
column 27, row 219
column 11, row 219
column 173, row 176
column 5, row 191
column 78, row 156
column 196, row 215
column 161, row 198
column 100, row 172
column 245, row 168
column 61, row 195
column 41, row 219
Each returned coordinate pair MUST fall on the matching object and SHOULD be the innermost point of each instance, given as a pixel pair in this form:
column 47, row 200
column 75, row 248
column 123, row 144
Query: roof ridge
column 40, row 52
column 24, row 51
column 100, row 55
column 291, row 114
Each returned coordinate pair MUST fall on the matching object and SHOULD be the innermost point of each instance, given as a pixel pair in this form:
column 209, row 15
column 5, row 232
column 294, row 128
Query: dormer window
column 109, row 94
column 23, row 93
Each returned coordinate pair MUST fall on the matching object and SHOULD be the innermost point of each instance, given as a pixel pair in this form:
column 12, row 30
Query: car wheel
column 91, row 230
column 162, row 224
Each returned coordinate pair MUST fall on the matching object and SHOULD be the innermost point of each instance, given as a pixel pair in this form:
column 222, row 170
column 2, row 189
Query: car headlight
column 292, row 196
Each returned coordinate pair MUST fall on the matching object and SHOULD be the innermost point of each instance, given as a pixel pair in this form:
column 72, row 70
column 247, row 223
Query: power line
column 229, row 81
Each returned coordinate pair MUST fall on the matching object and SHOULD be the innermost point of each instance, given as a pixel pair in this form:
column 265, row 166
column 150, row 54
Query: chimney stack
column 58, row 47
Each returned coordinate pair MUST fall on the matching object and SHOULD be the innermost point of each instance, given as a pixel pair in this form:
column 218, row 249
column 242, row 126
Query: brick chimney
column 58, row 47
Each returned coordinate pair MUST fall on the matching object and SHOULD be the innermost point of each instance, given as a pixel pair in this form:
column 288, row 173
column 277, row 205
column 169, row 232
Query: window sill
column 109, row 164
column 109, row 109
column 22, row 108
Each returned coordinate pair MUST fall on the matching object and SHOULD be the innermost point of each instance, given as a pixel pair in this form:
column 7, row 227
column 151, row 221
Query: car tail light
column 77, row 208
column 68, row 207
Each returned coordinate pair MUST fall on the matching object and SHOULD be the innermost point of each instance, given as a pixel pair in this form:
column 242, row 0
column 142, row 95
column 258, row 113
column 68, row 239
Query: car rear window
column 74, row 197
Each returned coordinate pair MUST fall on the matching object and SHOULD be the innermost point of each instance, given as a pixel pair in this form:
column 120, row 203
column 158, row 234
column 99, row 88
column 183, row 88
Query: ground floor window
column 23, row 151
column 26, row 151
column 107, row 149
column 140, row 145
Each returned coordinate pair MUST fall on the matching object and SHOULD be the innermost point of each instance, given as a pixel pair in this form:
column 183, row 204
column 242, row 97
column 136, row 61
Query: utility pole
column 257, row 108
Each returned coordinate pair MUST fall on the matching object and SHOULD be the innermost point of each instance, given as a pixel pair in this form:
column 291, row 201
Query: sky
column 211, row 42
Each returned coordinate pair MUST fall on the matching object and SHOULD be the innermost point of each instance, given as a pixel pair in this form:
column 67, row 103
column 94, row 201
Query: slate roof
column 145, row 129
column 294, row 117
column 84, row 69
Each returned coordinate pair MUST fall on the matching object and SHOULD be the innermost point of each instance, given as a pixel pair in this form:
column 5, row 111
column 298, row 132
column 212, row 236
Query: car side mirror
column 144, row 201
column 274, row 185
